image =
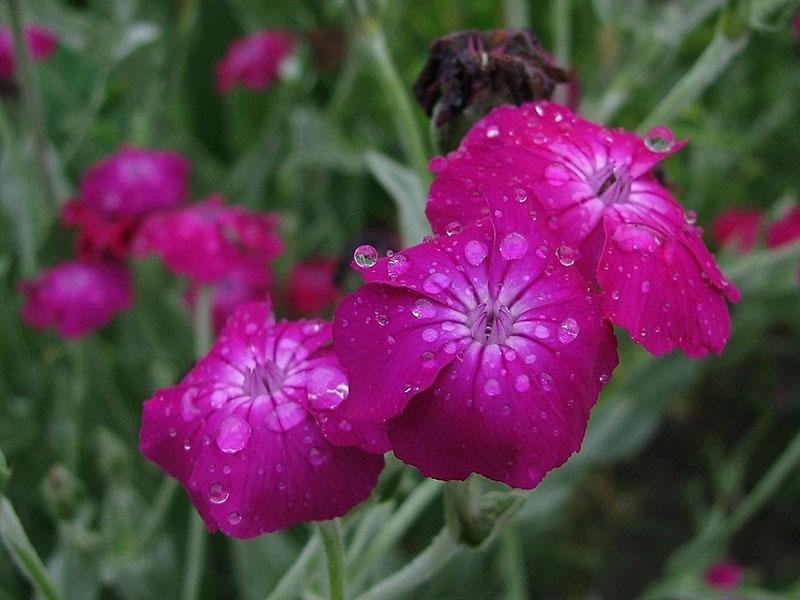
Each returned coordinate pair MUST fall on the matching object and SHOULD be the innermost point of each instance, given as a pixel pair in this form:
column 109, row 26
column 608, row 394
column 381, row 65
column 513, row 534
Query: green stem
column 517, row 14
column 296, row 577
column 562, row 32
column 512, row 565
column 78, row 352
column 397, row 525
column 195, row 557
column 330, row 532
column 426, row 565
column 32, row 99
column 24, row 555
column 711, row 63
column 408, row 130
column 196, row 536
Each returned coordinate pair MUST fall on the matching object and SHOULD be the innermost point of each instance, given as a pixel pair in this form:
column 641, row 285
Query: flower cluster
column 41, row 44
column 480, row 350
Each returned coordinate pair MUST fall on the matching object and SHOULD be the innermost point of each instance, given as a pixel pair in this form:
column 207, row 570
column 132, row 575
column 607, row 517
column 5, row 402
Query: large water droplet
column 217, row 493
column 436, row 282
column 659, row 139
column 513, row 246
column 327, row 388
column 234, row 518
column 475, row 252
column 397, row 265
column 568, row 330
column 541, row 332
column 690, row 217
column 233, row 435
column 566, row 255
column 285, row 416
column 491, row 387
column 522, row 383
column 423, row 309
column 365, row 256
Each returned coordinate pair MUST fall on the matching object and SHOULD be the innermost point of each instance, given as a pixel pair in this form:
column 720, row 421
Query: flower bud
column 62, row 492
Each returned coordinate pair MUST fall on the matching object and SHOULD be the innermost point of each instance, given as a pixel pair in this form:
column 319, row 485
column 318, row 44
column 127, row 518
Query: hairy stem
column 330, row 532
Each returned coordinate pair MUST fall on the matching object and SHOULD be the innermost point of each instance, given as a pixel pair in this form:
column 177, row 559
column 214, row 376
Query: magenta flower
column 41, row 45
column 254, row 61
column 482, row 352
column 724, row 575
column 247, row 282
column 311, row 288
column 134, row 181
column 737, row 228
column 594, row 189
column 76, row 297
column 239, row 432
column 785, row 230
column 208, row 240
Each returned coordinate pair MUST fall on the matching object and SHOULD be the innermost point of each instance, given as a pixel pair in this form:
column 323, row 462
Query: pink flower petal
column 254, row 61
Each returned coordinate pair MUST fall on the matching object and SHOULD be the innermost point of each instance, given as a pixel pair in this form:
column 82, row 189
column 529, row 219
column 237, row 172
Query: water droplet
column 430, row 335
column 690, row 217
column 541, row 251
column 566, row 255
column 397, row 265
column 546, row 381
column 423, row 309
column 568, row 330
column 450, row 348
column 233, row 435
column 453, row 228
column 492, row 131
column 475, row 252
column 513, row 246
column 645, row 286
column 556, row 174
column 316, row 457
column 234, row 518
column 436, row 283
column 520, row 195
column 428, row 359
column 381, row 319
column 491, row 387
column 327, row 388
column 522, row 383
column 615, row 295
column 365, row 256
column 541, row 332
column 285, row 416
column 345, row 425
column 217, row 494
column 659, row 139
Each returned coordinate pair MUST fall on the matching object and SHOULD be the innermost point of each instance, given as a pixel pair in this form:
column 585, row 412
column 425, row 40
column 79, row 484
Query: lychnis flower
column 117, row 192
column 41, row 44
column 239, row 432
column 593, row 188
column 208, row 240
column 76, row 297
column 479, row 349
column 254, row 62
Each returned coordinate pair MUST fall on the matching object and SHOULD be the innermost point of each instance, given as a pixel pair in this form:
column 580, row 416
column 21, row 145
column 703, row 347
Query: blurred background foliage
column 685, row 462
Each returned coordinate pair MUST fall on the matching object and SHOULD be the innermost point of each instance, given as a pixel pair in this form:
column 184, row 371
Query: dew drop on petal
column 491, row 387
column 541, row 332
column 234, row 518
column 453, row 228
column 520, row 195
column 345, row 425
column 316, row 457
column 423, row 309
column 436, row 282
column 645, row 286
column 568, row 330
column 430, row 335
column 492, row 131
column 327, row 388
column 556, row 174
column 365, row 256
column 522, row 383
column 397, row 265
column 218, row 398
column 513, row 246
column 659, row 139
column 217, row 493
column 233, row 435
column 690, row 217
column 285, row 416
column 475, row 252
column 566, row 255
column 546, row 381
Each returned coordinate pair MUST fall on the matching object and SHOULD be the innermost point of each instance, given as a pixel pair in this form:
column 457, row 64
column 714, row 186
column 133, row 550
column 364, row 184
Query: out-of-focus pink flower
column 484, row 352
column 248, row 282
column 118, row 191
column 737, row 228
column 311, row 286
column 593, row 188
column 239, row 432
column 41, row 45
column 785, row 230
column 254, row 61
column 208, row 240
column 76, row 297
column 724, row 575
